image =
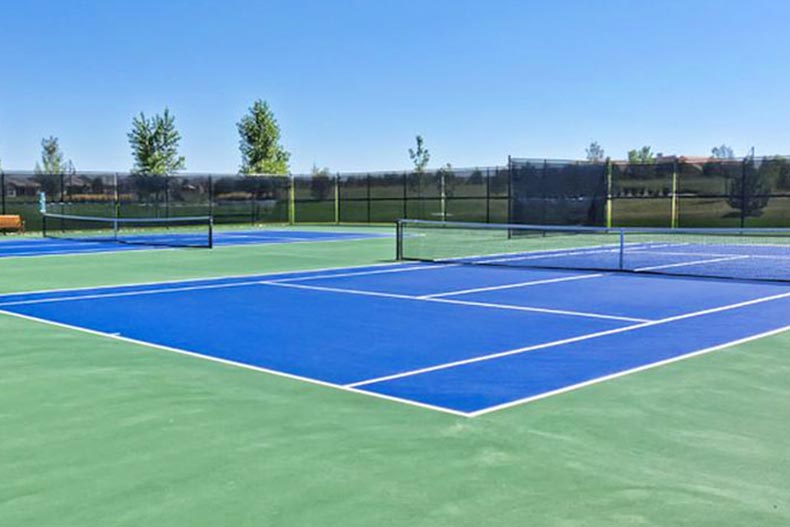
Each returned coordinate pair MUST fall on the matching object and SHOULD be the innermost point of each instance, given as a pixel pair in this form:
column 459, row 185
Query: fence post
column 2, row 192
column 405, row 195
column 543, row 191
column 168, row 179
column 743, row 192
column 211, row 197
column 292, row 200
column 337, row 198
column 609, row 202
column 509, row 189
column 488, row 195
column 116, row 196
column 673, row 222
column 443, row 194
column 368, row 196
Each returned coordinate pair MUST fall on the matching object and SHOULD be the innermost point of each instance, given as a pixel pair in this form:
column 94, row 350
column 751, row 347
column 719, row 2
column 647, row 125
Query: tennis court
column 465, row 339
column 87, row 243
column 478, row 376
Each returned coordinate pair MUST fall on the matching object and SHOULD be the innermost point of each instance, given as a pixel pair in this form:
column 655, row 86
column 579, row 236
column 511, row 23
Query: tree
column 782, row 174
column 320, row 183
column 643, row 156
column 52, row 160
column 595, row 153
column 722, row 152
column 476, row 178
column 750, row 193
column 775, row 173
column 259, row 142
column 154, row 145
column 53, row 165
column 420, row 157
column 447, row 180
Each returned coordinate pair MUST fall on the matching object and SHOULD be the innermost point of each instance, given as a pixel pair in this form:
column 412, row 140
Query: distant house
column 22, row 189
column 78, row 184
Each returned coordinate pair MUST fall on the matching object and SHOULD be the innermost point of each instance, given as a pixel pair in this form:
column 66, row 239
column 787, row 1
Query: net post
column 399, row 240
column 622, row 249
column 211, row 232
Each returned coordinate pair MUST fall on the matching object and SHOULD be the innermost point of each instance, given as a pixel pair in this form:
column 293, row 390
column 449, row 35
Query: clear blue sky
column 352, row 82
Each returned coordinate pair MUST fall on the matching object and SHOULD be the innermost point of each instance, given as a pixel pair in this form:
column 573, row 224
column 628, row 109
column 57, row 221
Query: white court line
column 571, row 340
column 210, row 279
column 219, row 246
column 364, row 273
column 529, row 309
column 228, row 362
column 122, row 294
column 715, row 255
column 200, row 287
column 542, row 252
column 456, row 302
column 623, row 373
column 540, row 256
column 44, row 242
column 100, row 248
column 559, row 253
column 513, row 286
column 685, row 264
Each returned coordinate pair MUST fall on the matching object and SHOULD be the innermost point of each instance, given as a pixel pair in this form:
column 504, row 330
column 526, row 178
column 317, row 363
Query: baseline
column 581, row 338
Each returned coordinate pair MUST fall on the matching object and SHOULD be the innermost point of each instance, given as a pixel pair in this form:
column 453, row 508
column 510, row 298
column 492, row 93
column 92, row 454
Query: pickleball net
column 743, row 254
column 176, row 232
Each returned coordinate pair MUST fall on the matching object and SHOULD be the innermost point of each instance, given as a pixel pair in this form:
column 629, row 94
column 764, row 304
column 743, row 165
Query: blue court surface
column 19, row 247
column 463, row 339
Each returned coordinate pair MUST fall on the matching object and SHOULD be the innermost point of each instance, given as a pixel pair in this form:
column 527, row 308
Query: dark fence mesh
column 250, row 199
column 673, row 192
column 386, row 197
column 642, row 194
column 354, row 198
column 314, row 198
column 20, row 196
column 558, row 192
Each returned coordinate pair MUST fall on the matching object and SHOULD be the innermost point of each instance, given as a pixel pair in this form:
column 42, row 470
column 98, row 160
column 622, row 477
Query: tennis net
column 745, row 254
column 185, row 231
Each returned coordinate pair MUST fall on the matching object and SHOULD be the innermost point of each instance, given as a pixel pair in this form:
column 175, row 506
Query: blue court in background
column 23, row 246
column 463, row 339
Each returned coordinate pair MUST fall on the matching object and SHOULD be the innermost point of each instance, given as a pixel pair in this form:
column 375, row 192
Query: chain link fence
column 675, row 192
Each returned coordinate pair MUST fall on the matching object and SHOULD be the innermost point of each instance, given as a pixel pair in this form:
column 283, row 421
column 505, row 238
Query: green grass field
column 107, row 433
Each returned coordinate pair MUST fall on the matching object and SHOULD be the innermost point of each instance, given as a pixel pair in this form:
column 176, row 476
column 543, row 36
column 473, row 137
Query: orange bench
column 11, row 223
